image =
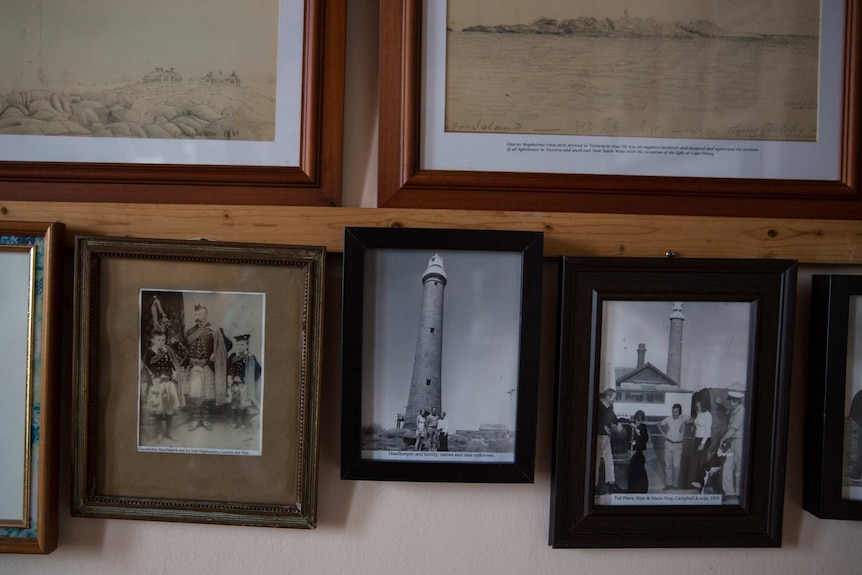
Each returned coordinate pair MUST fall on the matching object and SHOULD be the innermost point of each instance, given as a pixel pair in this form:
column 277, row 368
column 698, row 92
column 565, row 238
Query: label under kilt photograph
column 201, row 376
column 440, row 349
column 673, row 398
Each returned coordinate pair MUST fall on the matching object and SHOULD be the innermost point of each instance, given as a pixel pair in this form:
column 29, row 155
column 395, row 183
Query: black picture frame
column 373, row 269
column 753, row 519
column 827, row 429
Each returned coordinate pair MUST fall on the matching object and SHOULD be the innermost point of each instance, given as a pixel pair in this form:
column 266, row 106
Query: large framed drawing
column 186, row 102
column 621, row 107
column 833, row 439
column 29, row 340
column 672, row 402
column 197, row 374
column 440, row 354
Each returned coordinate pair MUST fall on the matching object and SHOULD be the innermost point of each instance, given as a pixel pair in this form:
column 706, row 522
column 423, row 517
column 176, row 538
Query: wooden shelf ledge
column 809, row 241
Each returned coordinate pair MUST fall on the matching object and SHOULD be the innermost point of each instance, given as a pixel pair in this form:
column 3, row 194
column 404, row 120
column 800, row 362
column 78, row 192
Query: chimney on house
column 641, row 355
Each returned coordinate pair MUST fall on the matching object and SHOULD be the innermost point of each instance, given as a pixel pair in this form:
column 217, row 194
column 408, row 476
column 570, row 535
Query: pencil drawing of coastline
column 715, row 69
column 179, row 69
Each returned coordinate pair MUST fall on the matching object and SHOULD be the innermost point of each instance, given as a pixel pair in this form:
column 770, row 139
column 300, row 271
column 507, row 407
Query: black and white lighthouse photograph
column 672, row 403
column 440, row 349
column 201, row 376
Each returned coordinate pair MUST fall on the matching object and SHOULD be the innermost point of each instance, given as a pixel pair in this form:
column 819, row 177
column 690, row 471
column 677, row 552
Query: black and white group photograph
column 201, row 377
column 440, row 355
column 673, row 399
column 852, row 470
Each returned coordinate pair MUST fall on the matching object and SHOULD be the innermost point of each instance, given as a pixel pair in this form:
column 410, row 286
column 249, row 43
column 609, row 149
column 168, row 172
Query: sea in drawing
column 722, row 87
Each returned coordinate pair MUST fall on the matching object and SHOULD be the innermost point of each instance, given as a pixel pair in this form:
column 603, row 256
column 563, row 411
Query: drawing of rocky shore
column 143, row 110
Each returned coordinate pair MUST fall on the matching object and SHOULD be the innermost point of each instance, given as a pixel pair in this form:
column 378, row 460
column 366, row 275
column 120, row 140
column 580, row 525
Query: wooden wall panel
column 809, row 241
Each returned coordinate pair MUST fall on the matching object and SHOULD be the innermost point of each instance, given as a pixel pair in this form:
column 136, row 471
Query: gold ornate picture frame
column 197, row 373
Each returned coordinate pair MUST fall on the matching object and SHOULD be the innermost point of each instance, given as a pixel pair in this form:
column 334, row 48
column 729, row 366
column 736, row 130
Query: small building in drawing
column 163, row 76
column 221, row 79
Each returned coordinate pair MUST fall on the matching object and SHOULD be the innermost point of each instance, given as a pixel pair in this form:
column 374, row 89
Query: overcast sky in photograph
column 715, row 339
column 481, row 332
column 733, row 15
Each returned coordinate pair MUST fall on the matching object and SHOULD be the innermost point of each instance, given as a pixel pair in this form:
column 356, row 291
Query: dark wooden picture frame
column 404, row 183
column 113, row 476
column 315, row 181
column 483, row 265
column 44, row 242
column 751, row 519
column 829, row 430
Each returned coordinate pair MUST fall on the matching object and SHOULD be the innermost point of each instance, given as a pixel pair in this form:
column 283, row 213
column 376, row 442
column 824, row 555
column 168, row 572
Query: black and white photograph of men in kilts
column 673, row 399
column 201, row 374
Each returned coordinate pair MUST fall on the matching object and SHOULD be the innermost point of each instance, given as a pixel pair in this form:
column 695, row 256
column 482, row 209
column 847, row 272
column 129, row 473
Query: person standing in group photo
column 443, row 432
column 206, row 381
column 638, row 481
column 243, row 373
column 731, row 472
column 672, row 428
column 431, row 426
column 162, row 368
column 703, row 440
column 608, row 423
column 420, row 430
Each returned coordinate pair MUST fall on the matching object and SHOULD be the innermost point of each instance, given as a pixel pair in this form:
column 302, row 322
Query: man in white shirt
column 672, row 429
column 443, row 432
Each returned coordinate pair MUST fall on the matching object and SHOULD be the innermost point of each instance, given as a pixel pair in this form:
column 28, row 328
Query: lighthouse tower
column 674, row 347
column 425, row 384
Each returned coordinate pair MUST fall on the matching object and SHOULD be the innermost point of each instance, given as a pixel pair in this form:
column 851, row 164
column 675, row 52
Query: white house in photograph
column 648, row 388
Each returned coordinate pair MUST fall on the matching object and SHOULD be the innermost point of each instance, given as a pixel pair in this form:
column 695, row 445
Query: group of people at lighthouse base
column 432, row 431
column 696, row 456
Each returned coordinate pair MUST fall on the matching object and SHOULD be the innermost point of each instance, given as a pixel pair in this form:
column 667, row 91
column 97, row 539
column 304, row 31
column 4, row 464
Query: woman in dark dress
column 638, row 481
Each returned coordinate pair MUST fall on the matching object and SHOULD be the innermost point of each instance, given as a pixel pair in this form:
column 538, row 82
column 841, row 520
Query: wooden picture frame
column 529, row 184
column 397, row 322
column 732, row 359
column 194, row 331
column 831, row 488
column 207, row 159
column 32, row 288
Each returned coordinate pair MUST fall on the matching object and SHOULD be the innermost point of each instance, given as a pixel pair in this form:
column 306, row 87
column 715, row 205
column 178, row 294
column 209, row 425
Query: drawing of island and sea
column 170, row 69
column 667, row 69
